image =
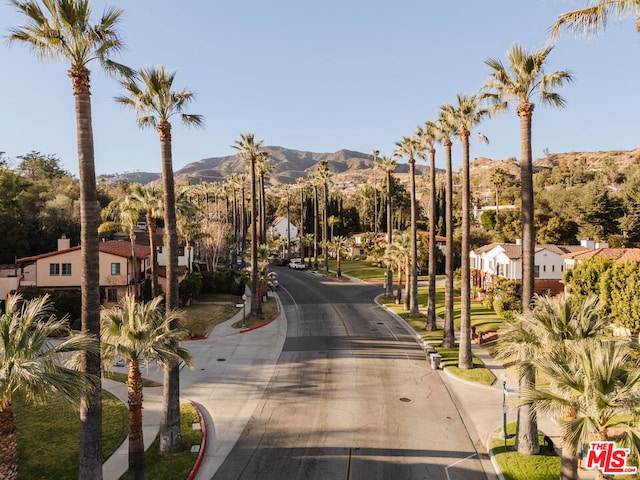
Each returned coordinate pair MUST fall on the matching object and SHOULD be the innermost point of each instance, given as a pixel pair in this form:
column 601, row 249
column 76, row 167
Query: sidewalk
column 480, row 406
column 231, row 371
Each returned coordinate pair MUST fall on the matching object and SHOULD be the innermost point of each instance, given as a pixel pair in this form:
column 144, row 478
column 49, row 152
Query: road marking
column 341, row 319
column 446, row 469
column 291, row 296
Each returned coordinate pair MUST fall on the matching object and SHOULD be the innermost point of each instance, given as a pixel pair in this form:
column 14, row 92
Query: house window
column 536, row 271
column 115, row 269
column 112, row 294
column 66, row 269
column 553, row 268
column 544, row 268
column 181, row 251
column 54, row 269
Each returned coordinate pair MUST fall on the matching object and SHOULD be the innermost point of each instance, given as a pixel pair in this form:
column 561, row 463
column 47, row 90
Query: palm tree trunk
column 170, row 433
column 91, row 406
column 414, row 311
column 255, row 301
column 137, row 466
column 315, row 227
column 407, row 283
column 527, row 439
column 389, row 291
column 9, row 447
column 430, row 323
column 448, row 339
column 399, row 292
column 325, row 227
column 464, row 354
column 151, row 224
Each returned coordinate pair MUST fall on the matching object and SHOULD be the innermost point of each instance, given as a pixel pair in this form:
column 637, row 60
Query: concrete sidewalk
column 231, row 372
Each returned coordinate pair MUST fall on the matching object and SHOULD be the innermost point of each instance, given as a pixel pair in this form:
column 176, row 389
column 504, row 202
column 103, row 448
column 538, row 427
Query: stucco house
column 61, row 269
column 279, row 229
column 505, row 260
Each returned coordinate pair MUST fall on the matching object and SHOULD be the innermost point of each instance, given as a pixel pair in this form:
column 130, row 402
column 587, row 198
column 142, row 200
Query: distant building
column 504, row 260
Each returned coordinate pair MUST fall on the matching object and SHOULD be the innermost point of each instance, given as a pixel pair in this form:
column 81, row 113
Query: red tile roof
column 120, row 248
column 619, row 254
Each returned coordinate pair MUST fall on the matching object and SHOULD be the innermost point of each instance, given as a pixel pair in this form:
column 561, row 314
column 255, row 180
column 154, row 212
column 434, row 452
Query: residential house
column 61, row 269
column 279, row 229
column 9, row 280
column 504, row 260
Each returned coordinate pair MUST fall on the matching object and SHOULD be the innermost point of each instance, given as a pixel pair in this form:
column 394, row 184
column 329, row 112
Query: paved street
column 351, row 397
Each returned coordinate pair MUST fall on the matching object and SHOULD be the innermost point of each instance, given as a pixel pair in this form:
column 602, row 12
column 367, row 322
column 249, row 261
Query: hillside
column 351, row 169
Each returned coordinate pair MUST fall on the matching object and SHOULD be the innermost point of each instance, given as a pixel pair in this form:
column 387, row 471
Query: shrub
column 190, row 287
column 498, row 305
column 224, row 280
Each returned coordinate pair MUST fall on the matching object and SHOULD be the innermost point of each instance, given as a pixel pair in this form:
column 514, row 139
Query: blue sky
column 322, row 76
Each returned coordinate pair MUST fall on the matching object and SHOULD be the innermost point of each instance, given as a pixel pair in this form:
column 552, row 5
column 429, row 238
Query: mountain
column 350, row 169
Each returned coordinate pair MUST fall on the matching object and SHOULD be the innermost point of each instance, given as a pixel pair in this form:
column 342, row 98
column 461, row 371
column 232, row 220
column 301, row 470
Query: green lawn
column 48, row 436
column 514, row 466
column 162, row 466
column 358, row 268
column 209, row 311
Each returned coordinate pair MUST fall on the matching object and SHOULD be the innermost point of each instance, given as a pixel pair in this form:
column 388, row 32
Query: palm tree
column 388, row 164
column 187, row 227
column 593, row 19
column 448, row 129
column 149, row 200
column 138, row 333
column 548, row 330
column 262, row 169
column 400, row 252
column 410, row 147
column 594, row 386
column 322, row 175
column 155, row 104
column 35, row 368
column 375, row 192
column 61, row 31
column 248, row 148
column 121, row 215
column 429, row 135
column 525, row 80
column 302, row 185
column 338, row 245
column 466, row 114
column 497, row 178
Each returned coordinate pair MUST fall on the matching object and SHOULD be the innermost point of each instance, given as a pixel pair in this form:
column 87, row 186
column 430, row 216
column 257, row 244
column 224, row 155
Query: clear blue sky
column 322, row 76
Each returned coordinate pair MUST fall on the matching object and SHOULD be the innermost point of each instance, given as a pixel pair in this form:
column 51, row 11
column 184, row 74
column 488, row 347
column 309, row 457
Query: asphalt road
column 352, row 397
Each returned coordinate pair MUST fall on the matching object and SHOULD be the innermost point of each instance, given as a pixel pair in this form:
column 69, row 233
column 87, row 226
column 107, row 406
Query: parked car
column 297, row 265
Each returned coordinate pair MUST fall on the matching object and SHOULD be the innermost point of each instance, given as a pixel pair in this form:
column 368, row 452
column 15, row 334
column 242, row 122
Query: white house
column 279, row 229
column 505, row 260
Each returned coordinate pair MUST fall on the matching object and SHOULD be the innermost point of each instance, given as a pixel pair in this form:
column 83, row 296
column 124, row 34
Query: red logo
column 608, row 459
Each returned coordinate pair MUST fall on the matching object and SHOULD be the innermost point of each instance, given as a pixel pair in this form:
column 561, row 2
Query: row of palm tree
column 35, row 367
column 61, row 30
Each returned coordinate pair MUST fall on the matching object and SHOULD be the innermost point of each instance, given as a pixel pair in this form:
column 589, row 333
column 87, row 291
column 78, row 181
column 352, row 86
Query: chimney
column 64, row 243
column 518, row 241
column 587, row 243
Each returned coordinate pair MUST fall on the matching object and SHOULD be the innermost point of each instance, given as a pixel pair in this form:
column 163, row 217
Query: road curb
column 203, row 444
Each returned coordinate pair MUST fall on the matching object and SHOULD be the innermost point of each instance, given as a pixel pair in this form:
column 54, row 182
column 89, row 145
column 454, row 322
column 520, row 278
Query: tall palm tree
column 410, row 147
column 524, row 79
column 322, row 174
column 138, row 333
column 302, row 185
column 149, row 200
column 593, row 19
column 448, row 129
column 155, row 104
column 262, row 169
column 388, row 164
column 249, row 149
column 375, row 192
column 467, row 114
column 429, row 135
column 497, row 178
column 34, row 367
column 593, row 387
column 62, row 31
